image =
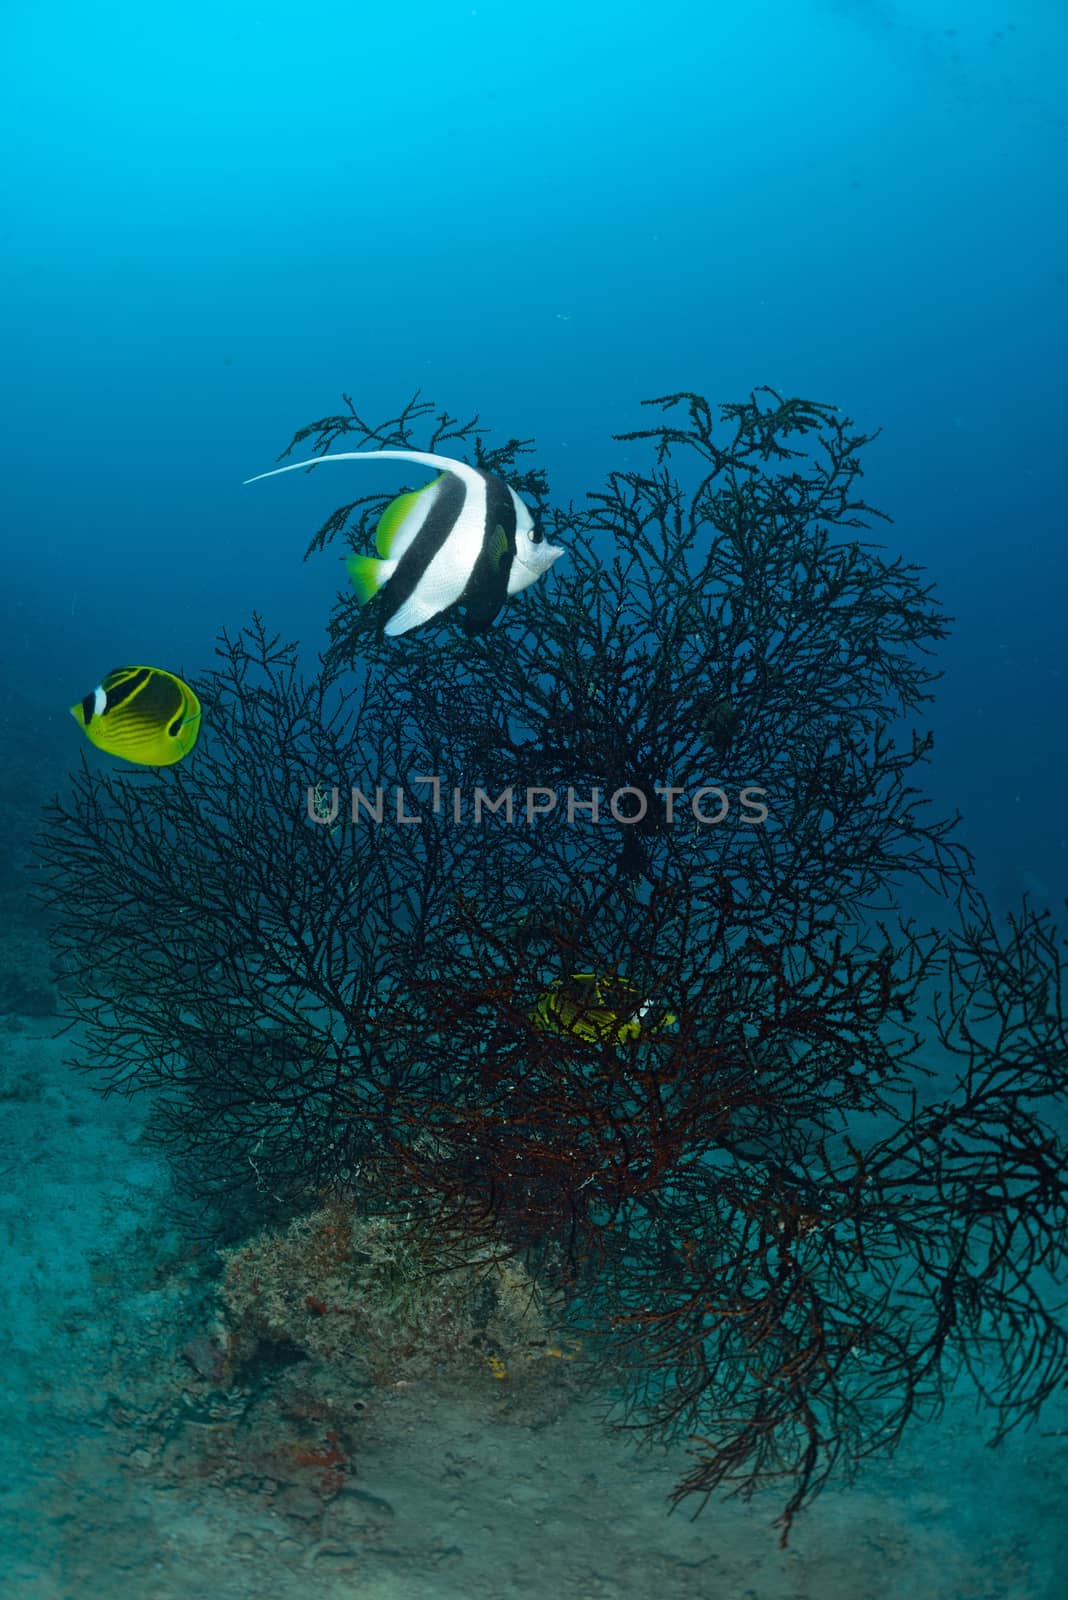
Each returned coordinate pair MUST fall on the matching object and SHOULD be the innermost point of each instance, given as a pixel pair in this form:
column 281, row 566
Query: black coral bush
column 685, row 772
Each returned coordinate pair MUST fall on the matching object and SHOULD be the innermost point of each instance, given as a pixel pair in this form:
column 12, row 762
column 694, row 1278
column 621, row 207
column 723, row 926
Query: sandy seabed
column 120, row 1477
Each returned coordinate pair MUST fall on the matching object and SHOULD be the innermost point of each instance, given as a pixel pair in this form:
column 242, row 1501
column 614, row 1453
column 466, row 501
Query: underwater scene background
column 471, row 1196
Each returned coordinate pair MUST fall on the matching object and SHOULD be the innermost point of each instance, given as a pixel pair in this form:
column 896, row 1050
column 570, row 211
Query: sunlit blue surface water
column 216, row 219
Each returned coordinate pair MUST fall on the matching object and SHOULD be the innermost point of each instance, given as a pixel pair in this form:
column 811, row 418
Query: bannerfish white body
column 466, row 538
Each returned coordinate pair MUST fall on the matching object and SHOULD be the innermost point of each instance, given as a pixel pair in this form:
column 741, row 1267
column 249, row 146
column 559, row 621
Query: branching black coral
column 688, row 765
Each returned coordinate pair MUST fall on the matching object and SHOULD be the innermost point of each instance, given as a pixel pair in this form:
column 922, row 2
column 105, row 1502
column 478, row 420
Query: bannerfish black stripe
column 486, row 589
column 440, row 521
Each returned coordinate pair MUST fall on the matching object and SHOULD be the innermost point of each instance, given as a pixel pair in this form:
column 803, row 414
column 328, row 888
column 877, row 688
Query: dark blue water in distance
column 214, row 219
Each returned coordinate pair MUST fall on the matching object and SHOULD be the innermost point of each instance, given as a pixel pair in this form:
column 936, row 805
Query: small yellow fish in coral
column 599, row 1009
column 557, row 1354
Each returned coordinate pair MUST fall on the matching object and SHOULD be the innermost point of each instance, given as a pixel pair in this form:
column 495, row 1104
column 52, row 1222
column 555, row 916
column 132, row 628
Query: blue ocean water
column 216, row 219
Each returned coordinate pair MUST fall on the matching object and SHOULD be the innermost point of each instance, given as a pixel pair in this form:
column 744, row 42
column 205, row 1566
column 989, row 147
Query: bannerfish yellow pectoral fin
column 368, row 576
column 402, row 519
column 497, row 547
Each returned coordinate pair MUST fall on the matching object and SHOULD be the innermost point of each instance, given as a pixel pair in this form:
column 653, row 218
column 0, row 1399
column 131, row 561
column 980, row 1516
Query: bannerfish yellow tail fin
column 367, row 575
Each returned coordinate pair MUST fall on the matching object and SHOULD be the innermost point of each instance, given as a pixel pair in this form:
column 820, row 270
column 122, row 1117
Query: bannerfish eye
column 536, row 535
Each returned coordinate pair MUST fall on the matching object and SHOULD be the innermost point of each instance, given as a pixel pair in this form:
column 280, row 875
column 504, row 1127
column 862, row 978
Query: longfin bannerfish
column 143, row 714
column 466, row 538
